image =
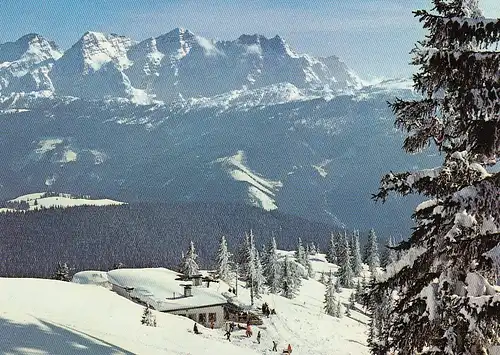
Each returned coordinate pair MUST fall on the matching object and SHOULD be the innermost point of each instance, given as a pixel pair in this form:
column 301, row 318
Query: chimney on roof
column 187, row 291
column 197, row 280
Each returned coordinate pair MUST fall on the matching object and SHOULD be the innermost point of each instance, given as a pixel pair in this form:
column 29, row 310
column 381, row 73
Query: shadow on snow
column 52, row 339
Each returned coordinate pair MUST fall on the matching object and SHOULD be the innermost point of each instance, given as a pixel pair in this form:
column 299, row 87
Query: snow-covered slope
column 70, row 318
column 261, row 191
column 53, row 317
column 42, row 200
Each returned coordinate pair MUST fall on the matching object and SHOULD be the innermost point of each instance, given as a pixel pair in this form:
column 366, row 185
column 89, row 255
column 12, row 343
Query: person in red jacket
column 289, row 349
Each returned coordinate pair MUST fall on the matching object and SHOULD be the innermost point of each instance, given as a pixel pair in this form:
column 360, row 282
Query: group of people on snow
column 248, row 331
column 266, row 310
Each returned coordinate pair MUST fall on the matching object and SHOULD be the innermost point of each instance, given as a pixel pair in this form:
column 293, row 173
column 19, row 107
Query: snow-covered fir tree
column 389, row 255
column 290, row 280
column 272, row 270
column 445, row 302
column 223, row 262
column 352, row 301
column 358, row 293
column 62, row 272
column 338, row 309
column 300, row 253
column 312, row 249
column 338, row 286
column 323, row 279
column 357, row 264
column 189, row 266
column 330, row 301
column 148, row 318
column 258, row 278
column 307, row 263
column 250, row 265
column 372, row 255
column 345, row 273
column 331, row 254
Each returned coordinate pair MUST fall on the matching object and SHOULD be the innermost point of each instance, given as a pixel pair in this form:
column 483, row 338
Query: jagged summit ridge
column 25, row 64
column 176, row 65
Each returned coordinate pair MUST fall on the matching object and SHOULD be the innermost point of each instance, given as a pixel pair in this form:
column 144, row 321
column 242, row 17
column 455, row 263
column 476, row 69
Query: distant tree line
column 138, row 235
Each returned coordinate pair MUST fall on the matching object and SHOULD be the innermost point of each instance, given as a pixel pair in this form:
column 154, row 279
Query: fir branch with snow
column 445, row 300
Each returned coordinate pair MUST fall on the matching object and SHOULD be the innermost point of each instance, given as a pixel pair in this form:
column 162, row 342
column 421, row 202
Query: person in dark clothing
column 258, row 337
column 195, row 329
column 275, row 346
column 228, row 335
column 231, row 326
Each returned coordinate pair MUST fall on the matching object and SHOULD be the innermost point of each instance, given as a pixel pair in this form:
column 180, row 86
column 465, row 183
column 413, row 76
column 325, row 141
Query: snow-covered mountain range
column 176, row 65
column 183, row 118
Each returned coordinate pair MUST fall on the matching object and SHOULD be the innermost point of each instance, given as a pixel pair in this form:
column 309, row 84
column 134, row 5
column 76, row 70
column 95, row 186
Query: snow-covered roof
column 159, row 288
column 90, row 277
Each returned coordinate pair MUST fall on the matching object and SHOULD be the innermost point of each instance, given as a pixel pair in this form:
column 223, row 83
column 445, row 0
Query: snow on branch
column 460, row 30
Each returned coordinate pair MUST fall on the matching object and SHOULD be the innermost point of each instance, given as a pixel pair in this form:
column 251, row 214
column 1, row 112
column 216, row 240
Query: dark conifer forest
column 138, row 235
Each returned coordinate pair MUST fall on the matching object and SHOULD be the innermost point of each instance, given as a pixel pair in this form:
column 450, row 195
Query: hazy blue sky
column 372, row 36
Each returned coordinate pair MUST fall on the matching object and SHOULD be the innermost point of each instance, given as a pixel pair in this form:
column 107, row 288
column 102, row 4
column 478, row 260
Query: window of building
column 202, row 318
column 212, row 317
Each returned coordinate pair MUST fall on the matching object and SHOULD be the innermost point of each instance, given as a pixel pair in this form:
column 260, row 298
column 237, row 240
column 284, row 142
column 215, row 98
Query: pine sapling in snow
column 338, row 309
column 148, row 318
column 330, row 302
column 62, row 272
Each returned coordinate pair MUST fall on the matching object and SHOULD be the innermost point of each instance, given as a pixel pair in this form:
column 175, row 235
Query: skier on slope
column 258, row 337
column 275, row 346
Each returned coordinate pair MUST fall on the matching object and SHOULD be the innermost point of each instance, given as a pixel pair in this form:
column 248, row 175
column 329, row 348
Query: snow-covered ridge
column 167, row 67
column 41, row 200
